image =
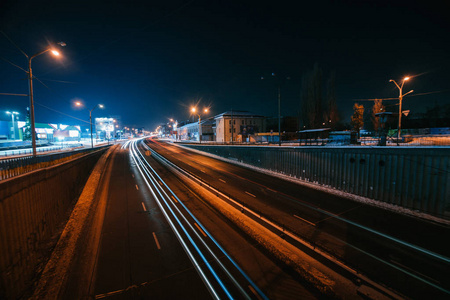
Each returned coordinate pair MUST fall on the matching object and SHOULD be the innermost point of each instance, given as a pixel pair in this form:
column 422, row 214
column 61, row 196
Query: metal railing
column 21, row 165
column 410, row 177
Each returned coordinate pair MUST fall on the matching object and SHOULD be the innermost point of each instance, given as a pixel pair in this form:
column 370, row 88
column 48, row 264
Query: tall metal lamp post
column 400, row 98
column 90, row 121
column 12, row 113
column 30, row 83
column 279, row 104
column 194, row 111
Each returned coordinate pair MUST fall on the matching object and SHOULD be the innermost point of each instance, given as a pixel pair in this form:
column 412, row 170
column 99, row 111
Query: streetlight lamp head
column 55, row 53
column 193, row 109
column 391, row 80
column 206, row 110
column 62, row 44
column 101, row 106
column 406, row 78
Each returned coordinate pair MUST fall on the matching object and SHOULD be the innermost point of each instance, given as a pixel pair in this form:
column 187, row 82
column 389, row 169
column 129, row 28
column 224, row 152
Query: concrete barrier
column 32, row 207
column 415, row 178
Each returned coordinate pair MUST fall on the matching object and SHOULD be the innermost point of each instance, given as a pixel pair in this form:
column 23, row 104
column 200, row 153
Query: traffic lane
column 216, row 267
column 416, row 231
column 342, row 238
column 276, row 280
column 130, row 262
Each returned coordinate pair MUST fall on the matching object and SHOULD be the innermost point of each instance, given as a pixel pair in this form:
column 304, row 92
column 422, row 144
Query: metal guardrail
column 21, row 165
column 417, row 178
column 6, row 153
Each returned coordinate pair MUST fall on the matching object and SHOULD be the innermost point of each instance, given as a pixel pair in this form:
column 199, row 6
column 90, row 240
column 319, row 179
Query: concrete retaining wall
column 32, row 206
column 415, row 178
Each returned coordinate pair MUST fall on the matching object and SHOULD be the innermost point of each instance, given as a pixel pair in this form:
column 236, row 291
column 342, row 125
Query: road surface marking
column 196, row 225
column 254, row 292
column 305, row 220
column 137, row 187
column 174, row 199
column 272, row 190
column 160, row 182
column 222, row 180
column 250, row 194
column 414, row 271
column 101, row 296
column 156, row 241
column 143, row 206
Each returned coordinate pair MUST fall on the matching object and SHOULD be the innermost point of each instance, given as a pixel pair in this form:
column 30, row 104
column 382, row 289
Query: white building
column 239, row 126
column 190, row 131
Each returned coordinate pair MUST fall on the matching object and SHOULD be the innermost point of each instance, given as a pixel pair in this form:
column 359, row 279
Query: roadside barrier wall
column 415, row 178
column 14, row 166
column 32, row 207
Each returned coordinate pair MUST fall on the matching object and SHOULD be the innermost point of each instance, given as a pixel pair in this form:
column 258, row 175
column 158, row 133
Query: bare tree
column 358, row 117
column 377, row 108
column 311, row 98
column 332, row 110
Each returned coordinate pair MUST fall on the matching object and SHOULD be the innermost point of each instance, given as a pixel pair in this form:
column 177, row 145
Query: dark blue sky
column 148, row 61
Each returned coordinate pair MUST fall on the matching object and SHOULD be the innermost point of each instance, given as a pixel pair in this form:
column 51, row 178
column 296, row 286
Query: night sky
column 148, row 61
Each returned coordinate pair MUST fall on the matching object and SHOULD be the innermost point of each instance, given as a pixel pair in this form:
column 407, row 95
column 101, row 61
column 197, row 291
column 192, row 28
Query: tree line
column 318, row 108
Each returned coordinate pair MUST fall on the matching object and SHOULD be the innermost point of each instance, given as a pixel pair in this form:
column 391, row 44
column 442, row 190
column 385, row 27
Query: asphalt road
column 398, row 251
column 141, row 257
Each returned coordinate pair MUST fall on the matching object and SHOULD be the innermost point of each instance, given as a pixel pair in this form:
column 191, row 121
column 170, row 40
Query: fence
column 31, row 208
column 415, row 178
column 20, row 165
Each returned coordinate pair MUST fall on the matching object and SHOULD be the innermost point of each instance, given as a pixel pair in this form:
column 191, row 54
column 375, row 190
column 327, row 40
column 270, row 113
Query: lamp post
column 13, row 136
column 400, row 98
column 279, row 104
column 30, row 84
column 194, row 110
column 90, row 121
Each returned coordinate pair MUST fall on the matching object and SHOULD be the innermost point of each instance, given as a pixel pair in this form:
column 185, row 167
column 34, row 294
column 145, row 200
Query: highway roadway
column 153, row 246
column 166, row 235
column 396, row 251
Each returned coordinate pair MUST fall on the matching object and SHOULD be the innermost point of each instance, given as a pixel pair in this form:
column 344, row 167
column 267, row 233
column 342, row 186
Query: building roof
column 238, row 113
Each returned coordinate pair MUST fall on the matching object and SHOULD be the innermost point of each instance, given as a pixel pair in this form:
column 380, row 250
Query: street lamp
column 90, row 121
column 194, row 111
column 30, row 84
column 400, row 98
column 279, row 104
column 13, row 136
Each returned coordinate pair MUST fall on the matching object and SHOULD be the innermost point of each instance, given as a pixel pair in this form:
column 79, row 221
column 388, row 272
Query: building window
column 230, row 130
column 243, row 122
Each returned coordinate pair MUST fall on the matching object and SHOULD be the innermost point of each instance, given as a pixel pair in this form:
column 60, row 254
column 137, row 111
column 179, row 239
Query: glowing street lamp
column 30, row 83
column 400, row 98
column 13, row 136
column 194, row 111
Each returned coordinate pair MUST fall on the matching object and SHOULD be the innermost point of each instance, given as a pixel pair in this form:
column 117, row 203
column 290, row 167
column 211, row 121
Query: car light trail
column 173, row 214
column 146, row 175
column 444, row 259
column 255, row 287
